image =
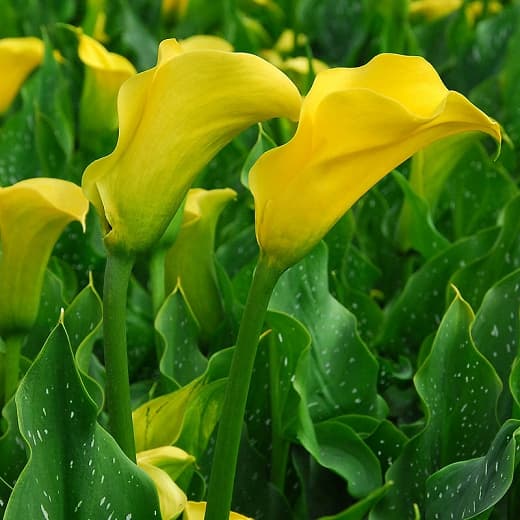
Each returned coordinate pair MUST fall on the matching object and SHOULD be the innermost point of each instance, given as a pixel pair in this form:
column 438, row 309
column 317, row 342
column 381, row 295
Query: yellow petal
column 18, row 58
column 173, row 119
column 356, row 126
column 172, row 500
column 33, row 213
column 196, row 239
column 196, row 511
column 170, row 459
column 105, row 72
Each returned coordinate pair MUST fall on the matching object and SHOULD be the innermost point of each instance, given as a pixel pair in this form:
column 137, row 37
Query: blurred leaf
column 54, row 127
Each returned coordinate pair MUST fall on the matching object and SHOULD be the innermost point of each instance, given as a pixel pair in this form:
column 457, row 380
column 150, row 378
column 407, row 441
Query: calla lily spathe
column 164, row 465
column 356, row 125
column 105, row 72
column 173, row 119
column 18, row 58
column 196, row 239
column 33, row 214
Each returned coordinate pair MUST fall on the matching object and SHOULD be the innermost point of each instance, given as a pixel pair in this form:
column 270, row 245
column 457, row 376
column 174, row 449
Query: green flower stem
column 157, row 278
column 280, row 446
column 222, row 478
column 117, row 276
column 13, row 349
column 157, row 289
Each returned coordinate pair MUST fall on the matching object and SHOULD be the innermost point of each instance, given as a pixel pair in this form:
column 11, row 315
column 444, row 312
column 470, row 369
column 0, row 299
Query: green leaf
column 360, row 509
column 13, row 454
column 54, row 126
column 419, row 307
column 342, row 373
column 476, row 278
column 181, row 359
column 51, row 302
column 496, row 333
column 459, row 389
column 272, row 400
column 343, row 450
column 263, row 143
column 82, row 320
column 190, row 412
column 75, row 470
column 421, row 233
column 471, row 487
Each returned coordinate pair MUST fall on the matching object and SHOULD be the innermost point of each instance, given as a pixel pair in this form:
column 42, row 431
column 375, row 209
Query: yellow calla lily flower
column 356, row 125
column 18, row 58
column 196, row 511
column 164, row 465
column 33, row 214
column 171, row 459
column 196, row 239
column 105, row 72
column 172, row 499
column 173, row 119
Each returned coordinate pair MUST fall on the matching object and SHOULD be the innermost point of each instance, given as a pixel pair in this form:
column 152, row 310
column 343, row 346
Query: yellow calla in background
column 18, row 58
column 174, row 8
column 196, row 511
column 33, row 214
column 173, row 119
column 196, row 240
column 435, row 9
column 201, row 42
column 105, row 72
column 356, row 125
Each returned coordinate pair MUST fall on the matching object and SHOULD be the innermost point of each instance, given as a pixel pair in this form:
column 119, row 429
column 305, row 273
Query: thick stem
column 13, row 349
column 117, row 276
column 222, row 478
